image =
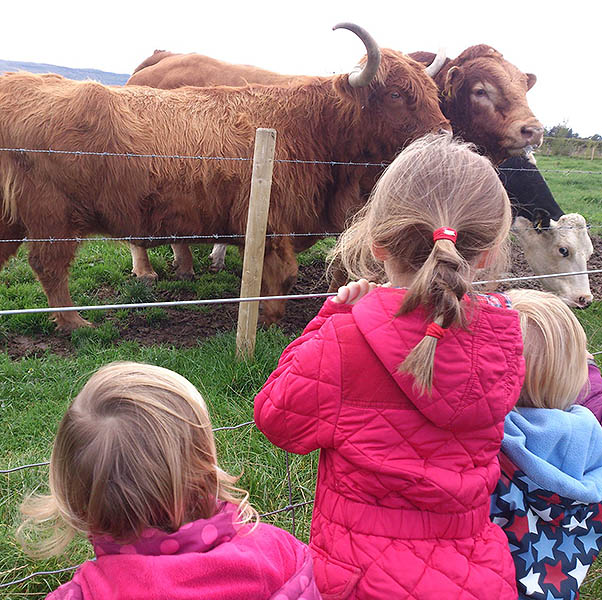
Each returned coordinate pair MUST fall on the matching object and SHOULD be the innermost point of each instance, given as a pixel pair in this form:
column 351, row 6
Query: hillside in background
column 79, row 74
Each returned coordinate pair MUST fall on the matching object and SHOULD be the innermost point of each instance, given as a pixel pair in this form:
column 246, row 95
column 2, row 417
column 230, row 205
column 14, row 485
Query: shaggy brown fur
column 66, row 195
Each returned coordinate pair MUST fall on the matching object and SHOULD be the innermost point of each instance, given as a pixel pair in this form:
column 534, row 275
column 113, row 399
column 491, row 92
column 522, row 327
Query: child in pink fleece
column 404, row 389
column 134, row 467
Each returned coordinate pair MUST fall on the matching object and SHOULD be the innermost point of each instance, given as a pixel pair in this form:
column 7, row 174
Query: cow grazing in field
column 567, row 249
column 370, row 114
column 482, row 94
column 484, row 97
column 553, row 242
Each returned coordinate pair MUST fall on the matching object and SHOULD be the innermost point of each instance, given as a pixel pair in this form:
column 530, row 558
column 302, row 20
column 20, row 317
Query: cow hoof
column 187, row 276
column 147, row 278
column 70, row 323
column 265, row 320
column 215, row 268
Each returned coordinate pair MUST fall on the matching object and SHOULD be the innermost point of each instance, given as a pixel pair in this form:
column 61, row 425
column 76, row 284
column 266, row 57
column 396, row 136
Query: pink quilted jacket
column 404, row 480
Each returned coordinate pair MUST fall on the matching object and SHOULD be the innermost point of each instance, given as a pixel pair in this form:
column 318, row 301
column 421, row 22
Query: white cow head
column 563, row 246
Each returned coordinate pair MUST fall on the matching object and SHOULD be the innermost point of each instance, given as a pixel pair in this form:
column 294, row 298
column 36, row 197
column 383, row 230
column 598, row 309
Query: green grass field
column 35, row 391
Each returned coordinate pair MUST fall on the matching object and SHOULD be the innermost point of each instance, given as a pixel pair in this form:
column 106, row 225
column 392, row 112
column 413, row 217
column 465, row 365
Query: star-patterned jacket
column 548, row 498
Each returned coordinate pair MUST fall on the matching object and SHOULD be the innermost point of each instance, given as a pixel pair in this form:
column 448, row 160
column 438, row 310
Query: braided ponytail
column 440, row 284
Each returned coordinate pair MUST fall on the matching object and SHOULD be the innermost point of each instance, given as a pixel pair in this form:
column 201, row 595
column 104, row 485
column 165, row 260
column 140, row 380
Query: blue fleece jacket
column 559, row 450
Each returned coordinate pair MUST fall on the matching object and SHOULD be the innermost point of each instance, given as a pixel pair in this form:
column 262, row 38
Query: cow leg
column 218, row 257
column 9, row 232
column 141, row 266
column 50, row 262
column 182, row 261
column 279, row 276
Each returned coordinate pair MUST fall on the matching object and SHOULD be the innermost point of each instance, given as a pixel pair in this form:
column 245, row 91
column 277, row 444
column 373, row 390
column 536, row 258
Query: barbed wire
column 214, row 237
column 22, row 467
column 170, row 238
column 128, row 155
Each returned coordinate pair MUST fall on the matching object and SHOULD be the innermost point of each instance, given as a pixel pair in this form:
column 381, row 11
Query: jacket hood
column 559, row 450
column 477, row 372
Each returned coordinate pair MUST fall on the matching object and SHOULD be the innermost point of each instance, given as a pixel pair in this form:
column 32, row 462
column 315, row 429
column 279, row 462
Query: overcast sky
column 560, row 43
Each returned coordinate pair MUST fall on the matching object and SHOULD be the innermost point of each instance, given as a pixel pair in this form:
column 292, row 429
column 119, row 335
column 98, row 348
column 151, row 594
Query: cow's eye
column 564, row 251
column 480, row 92
column 395, row 95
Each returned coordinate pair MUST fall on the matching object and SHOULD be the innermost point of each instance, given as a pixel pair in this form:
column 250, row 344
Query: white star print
column 574, row 523
column 579, row 572
column 544, row 514
column 531, row 582
column 532, row 518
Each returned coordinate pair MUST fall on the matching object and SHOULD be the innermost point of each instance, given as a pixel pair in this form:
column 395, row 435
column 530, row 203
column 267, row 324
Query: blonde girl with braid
column 134, row 469
column 404, row 388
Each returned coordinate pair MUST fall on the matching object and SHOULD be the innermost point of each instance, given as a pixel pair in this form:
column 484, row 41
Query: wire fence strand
column 193, row 238
column 129, row 155
column 174, row 303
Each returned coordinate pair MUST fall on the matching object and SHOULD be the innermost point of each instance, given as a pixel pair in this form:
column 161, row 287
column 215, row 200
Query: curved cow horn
column 362, row 76
column 437, row 63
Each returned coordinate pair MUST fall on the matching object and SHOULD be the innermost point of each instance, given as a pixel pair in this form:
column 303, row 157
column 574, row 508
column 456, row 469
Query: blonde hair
column 435, row 182
column 134, row 450
column 555, row 350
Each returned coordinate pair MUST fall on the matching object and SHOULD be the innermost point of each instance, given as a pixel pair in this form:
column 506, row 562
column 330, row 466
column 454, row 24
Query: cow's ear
column 531, row 79
column 453, row 79
column 541, row 220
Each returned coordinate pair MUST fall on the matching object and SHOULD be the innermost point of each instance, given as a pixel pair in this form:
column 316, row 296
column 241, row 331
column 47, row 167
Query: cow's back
column 170, row 71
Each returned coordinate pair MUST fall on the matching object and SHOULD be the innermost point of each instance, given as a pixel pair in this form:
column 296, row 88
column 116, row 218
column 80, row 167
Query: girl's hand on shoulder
column 353, row 291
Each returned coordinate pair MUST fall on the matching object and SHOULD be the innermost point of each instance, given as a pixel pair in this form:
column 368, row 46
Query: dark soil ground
column 185, row 328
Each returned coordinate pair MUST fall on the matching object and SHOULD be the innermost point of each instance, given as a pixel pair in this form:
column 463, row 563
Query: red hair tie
column 435, row 330
column 445, row 233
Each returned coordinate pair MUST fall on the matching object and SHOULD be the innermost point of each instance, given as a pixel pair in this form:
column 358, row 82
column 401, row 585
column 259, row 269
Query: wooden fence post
column 257, row 220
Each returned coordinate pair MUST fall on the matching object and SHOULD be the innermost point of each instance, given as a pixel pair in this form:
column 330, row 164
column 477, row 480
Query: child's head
column 134, row 450
column 554, row 348
column 435, row 182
